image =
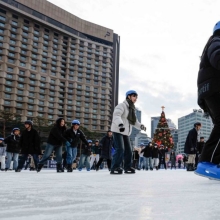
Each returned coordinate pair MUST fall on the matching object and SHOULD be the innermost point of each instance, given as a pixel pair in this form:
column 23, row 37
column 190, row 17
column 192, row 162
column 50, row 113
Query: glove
column 121, row 128
column 143, row 128
column 68, row 144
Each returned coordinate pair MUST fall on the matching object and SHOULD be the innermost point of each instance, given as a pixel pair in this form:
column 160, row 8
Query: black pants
column 108, row 162
column 211, row 151
column 162, row 161
column 24, row 158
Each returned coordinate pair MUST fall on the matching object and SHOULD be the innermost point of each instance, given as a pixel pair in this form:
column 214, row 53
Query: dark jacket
column 172, row 157
column 191, row 142
column 208, row 81
column 200, row 146
column 87, row 149
column 147, row 151
column 162, row 152
column 135, row 155
column 12, row 142
column 56, row 135
column 95, row 149
column 155, row 152
column 106, row 145
column 74, row 138
column 30, row 142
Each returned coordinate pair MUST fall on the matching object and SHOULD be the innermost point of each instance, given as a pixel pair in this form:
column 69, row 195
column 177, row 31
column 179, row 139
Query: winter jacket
column 12, row 142
column 56, row 136
column 74, row 138
column 30, row 142
column 135, row 155
column 2, row 150
column 208, row 81
column 200, row 146
column 87, row 149
column 162, row 152
column 106, row 145
column 191, row 142
column 155, row 152
column 172, row 157
column 120, row 115
column 147, row 151
column 95, row 149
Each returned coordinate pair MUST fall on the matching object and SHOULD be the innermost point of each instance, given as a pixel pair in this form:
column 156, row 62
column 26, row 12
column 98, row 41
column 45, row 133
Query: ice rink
column 157, row 195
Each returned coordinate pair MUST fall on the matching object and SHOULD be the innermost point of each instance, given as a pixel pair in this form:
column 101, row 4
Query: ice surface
column 156, row 195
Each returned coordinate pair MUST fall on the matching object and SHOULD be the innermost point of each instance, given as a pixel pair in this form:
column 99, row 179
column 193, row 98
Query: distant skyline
column 161, row 42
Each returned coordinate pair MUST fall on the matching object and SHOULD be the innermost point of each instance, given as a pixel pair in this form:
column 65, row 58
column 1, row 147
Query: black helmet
column 15, row 129
column 29, row 122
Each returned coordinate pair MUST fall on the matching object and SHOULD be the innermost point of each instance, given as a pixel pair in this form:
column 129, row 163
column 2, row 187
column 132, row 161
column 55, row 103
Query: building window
column 20, row 92
column 19, row 98
column 30, row 113
column 8, row 89
column 22, row 64
column 41, row 102
column 43, row 70
column 25, row 27
column 31, row 94
column 32, row 88
column 7, row 96
column 31, row 100
column 33, row 67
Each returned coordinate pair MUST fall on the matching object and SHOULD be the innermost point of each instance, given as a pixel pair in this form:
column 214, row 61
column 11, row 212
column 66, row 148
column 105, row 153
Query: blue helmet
column 89, row 141
column 1, row 139
column 130, row 92
column 142, row 144
column 75, row 122
column 15, row 129
column 216, row 27
column 29, row 122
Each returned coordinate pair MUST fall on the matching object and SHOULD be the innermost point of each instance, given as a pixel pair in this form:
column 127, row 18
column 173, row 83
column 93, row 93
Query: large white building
column 186, row 123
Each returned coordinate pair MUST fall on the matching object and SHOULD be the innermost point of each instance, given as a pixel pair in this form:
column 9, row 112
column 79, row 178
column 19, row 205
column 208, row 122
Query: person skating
column 135, row 157
column 191, row 145
column 141, row 163
column 2, row 154
column 106, row 144
column 55, row 142
column 162, row 156
column 13, row 148
column 173, row 159
column 73, row 136
column 124, row 118
column 29, row 144
column 85, row 156
column 95, row 153
column 147, row 156
column 155, row 153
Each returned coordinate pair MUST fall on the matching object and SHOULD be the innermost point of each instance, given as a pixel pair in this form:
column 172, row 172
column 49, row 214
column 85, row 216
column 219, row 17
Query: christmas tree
column 162, row 135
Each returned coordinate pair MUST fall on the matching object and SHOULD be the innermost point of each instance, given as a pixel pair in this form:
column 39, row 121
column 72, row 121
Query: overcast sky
column 161, row 42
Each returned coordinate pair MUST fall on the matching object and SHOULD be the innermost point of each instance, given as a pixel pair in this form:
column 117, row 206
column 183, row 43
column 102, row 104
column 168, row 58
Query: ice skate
column 130, row 170
column 39, row 167
column 18, row 170
column 117, row 171
column 60, row 168
column 69, row 168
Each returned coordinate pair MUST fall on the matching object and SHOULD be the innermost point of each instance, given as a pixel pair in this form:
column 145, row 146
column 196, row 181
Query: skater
column 95, row 153
column 2, row 154
column 148, row 156
column 208, row 99
column 135, row 157
column 73, row 136
column 179, row 163
column 162, row 155
column 107, row 145
column 85, row 156
column 29, row 144
column 55, row 142
column 155, row 160
column 141, row 162
column 28, row 162
column 173, row 159
column 124, row 118
column 191, row 145
column 13, row 148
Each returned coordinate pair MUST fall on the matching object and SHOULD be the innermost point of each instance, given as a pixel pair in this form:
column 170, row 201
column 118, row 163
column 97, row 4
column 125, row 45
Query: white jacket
column 120, row 115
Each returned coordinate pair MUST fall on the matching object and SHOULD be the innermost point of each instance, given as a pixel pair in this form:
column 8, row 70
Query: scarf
column 131, row 115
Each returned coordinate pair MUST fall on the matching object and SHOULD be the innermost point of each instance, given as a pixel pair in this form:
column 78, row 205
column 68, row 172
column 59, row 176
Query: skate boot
column 130, row 170
column 156, row 167
column 39, row 167
column 18, row 170
column 59, row 168
column 118, row 170
column 69, row 168
column 97, row 168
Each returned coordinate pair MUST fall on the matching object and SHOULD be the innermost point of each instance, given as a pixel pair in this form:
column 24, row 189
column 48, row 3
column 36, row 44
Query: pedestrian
column 209, row 100
column 2, row 154
column 13, row 148
column 106, row 145
column 73, row 136
column 162, row 156
column 124, row 117
column 95, row 153
column 191, row 145
column 147, row 154
column 55, row 142
column 173, row 159
column 155, row 153
column 85, row 156
column 29, row 144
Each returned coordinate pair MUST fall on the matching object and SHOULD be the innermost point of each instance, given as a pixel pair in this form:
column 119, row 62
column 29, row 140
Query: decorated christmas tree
column 162, row 135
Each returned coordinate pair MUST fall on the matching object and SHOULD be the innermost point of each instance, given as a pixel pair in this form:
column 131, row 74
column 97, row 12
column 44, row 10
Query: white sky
column 161, row 42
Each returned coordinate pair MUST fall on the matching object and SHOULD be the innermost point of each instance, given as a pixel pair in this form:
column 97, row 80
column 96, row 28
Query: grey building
column 135, row 131
column 174, row 134
column 54, row 64
column 154, row 123
column 186, row 123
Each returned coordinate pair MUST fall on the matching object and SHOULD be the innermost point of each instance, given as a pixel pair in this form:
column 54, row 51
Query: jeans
column 141, row 163
column 122, row 151
column 211, row 150
column 24, row 158
column 48, row 150
column 2, row 160
column 71, row 154
column 82, row 160
column 148, row 163
column 15, row 160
